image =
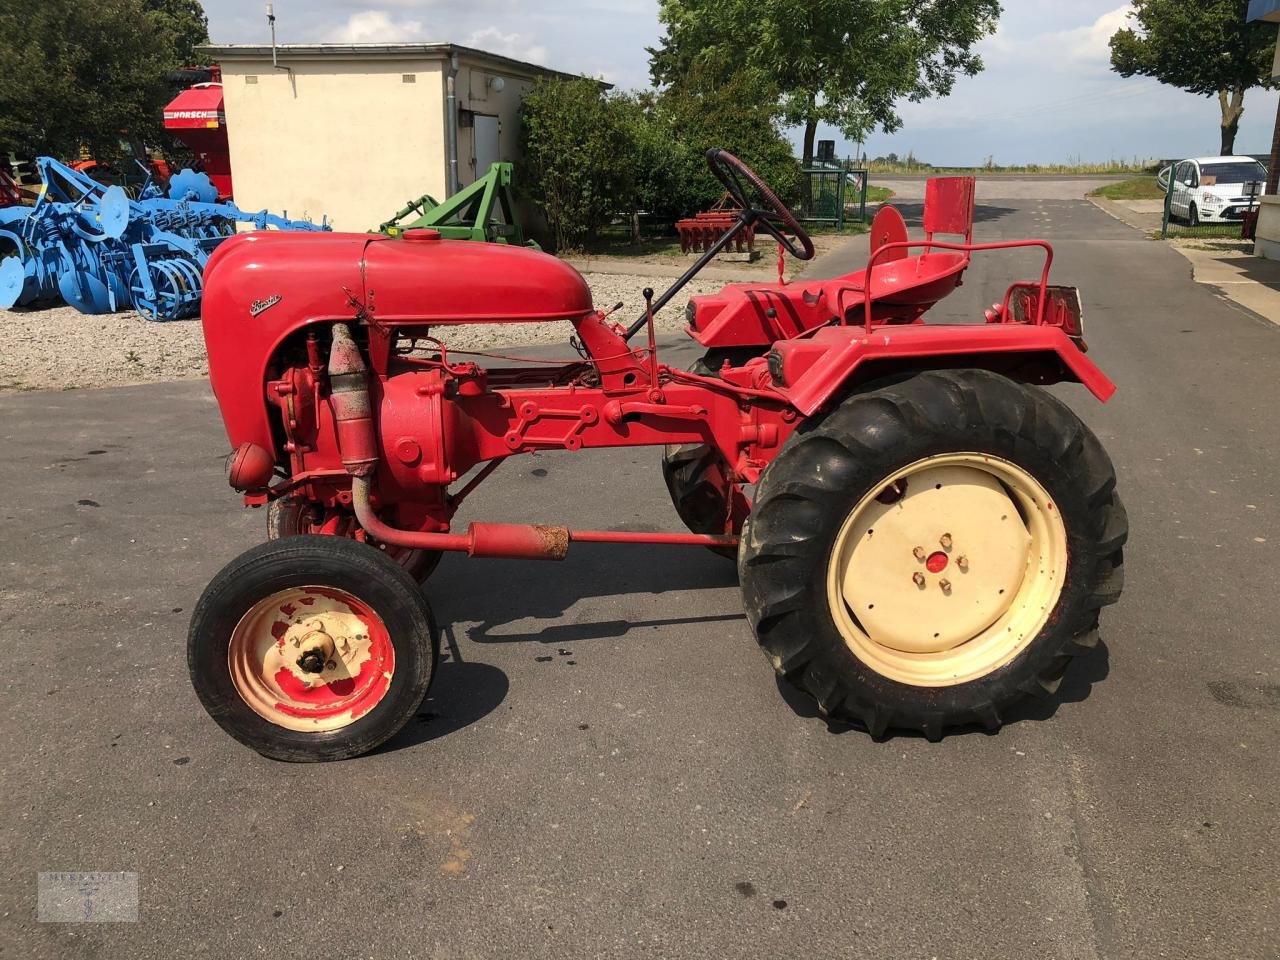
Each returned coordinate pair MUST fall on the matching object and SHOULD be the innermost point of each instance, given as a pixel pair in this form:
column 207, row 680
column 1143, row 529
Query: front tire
column 1193, row 216
column 930, row 552
column 312, row 648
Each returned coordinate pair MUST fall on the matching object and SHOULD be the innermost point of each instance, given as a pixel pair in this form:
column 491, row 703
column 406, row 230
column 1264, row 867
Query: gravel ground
column 58, row 348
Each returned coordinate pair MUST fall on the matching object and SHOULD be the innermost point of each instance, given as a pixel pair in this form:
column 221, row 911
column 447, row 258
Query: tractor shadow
column 1084, row 671
column 518, row 591
column 461, row 693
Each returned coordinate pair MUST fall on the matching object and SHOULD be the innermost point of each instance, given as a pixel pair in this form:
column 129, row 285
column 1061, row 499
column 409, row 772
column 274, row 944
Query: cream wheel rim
column 948, row 569
column 311, row 659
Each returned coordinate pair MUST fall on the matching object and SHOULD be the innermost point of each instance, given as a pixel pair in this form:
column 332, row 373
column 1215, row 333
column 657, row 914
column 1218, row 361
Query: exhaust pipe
column 352, row 409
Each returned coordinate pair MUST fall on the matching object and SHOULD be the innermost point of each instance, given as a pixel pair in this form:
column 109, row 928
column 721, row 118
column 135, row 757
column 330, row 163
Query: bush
column 591, row 157
column 576, row 161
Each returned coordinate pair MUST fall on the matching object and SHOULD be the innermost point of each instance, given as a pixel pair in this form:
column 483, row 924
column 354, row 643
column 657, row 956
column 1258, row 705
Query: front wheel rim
column 311, row 658
column 947, row 570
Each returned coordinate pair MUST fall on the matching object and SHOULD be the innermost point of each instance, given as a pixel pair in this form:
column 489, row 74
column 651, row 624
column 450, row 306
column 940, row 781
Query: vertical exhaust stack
column 352, row 409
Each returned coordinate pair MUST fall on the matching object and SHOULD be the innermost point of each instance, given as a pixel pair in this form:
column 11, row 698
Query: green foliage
column 1138, row 188
column 591, row 157
column 184, row 23
column 73, row 74
column 575, row 157
column 704, row 112
column 1206, row 48
column 842, row 62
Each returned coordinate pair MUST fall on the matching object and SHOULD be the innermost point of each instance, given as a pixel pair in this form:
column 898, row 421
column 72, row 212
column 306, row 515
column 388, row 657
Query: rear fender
column 814, row 370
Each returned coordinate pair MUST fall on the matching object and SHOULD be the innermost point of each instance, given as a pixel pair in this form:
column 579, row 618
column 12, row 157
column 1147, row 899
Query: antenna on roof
column 271, row 20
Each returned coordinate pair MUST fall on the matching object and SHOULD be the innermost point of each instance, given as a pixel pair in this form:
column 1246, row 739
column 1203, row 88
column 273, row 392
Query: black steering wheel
column 731, row 171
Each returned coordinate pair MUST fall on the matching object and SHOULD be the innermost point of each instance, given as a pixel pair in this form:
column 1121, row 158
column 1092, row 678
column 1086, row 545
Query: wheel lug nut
column 918, row 577
column 945, row 585
column 962, row 563
column 945, row 540
column 918, row 553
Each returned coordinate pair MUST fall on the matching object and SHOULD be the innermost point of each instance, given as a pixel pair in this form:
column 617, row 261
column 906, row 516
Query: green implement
column 470, row 214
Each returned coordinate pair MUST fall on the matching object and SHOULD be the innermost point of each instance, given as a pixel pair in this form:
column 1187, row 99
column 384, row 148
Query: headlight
column 1210, row 198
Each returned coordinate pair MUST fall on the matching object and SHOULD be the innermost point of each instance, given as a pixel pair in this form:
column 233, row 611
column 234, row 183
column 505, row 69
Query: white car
column 1213, row 189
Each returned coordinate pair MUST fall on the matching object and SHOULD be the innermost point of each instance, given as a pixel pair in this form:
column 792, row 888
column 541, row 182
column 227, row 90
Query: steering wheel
column 731, row 172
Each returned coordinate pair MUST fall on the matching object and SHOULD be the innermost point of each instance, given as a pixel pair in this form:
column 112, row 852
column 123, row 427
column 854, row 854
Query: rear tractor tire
column 930, row 552
column 697, row 478
column 312, row 648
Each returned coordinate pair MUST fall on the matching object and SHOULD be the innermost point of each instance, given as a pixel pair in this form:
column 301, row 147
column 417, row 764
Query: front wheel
column 930, row 552
column 312, row 648
column 1193, row 216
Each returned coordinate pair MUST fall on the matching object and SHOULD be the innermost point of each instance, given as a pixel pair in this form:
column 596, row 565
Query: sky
column 1047, row 94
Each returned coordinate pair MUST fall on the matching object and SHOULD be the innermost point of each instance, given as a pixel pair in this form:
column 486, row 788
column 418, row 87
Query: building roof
column 378, row 51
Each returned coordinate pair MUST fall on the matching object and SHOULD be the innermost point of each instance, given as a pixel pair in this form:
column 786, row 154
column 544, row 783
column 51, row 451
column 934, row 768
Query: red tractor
column 923, row 535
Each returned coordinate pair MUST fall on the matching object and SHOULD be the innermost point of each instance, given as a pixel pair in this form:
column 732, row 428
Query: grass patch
column 1110, row 168
column 851, row 228
column 1137, row 188
column 878, row 194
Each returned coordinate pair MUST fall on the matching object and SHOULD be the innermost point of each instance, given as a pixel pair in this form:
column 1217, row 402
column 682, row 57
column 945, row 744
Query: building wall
column 1267, row 242
column 347, row 138
column 475, row 93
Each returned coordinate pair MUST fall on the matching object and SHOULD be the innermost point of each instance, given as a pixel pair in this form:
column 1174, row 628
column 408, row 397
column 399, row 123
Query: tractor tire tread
column 788, row 537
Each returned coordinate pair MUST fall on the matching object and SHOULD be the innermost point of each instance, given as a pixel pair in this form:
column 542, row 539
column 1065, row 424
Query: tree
column 842, row 62
column 1206, row 48
column 671, row 132
column 575, row 157
column 186, row 25
column 73, row 75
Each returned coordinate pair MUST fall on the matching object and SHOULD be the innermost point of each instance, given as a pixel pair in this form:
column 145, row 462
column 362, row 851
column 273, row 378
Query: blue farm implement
column 100, row 251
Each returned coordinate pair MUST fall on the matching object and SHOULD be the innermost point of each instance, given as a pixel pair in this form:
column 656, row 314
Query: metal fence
column 834, row 196
column 1212, row 200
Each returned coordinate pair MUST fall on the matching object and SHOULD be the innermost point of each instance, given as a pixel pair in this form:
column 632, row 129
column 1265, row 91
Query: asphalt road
column 606, row 766
column 1006, row 186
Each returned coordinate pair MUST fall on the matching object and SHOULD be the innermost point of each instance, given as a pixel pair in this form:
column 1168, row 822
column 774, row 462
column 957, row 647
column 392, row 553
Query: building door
column 486, row 134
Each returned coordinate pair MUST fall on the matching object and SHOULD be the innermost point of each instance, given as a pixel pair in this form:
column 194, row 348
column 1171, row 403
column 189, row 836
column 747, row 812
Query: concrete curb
column 1127, row 217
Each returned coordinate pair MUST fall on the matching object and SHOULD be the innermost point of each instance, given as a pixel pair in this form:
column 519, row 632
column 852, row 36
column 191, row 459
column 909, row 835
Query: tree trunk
column 810, row 135
column 1232, row 104
column 806, row 186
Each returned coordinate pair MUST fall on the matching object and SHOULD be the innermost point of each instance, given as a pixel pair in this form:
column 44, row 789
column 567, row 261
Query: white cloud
column 1092, row 44
column 514, row 45
column 376, row 26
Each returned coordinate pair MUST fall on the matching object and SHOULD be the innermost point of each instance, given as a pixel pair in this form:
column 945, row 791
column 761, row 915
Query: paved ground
column 1026, row 187
column 606, row 767
column 1229, row 266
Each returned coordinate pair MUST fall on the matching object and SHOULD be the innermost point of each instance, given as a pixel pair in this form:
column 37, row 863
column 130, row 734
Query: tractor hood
column 421, row 278
column 262, row 288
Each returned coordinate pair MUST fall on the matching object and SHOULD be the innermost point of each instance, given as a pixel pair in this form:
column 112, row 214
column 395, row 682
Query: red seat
column 914, row 282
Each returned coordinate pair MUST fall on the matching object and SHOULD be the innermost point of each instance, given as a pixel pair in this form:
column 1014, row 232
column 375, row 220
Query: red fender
column 815, row 369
